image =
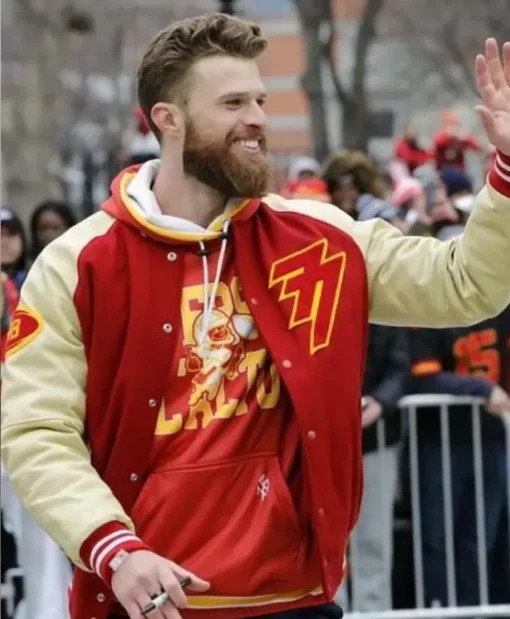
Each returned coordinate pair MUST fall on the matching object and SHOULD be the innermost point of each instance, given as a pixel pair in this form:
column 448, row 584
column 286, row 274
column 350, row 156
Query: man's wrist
column 499, row 176
column 105, row 550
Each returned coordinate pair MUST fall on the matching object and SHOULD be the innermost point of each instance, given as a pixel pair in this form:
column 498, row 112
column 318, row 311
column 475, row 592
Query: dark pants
column 464, row 517
column 326, row 611
column 499, row 574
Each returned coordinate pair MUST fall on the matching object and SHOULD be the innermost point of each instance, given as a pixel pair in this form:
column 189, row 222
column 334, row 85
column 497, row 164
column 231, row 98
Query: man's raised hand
column 493, row 81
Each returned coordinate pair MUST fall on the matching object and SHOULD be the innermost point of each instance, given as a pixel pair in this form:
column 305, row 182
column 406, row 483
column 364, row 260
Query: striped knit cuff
column 104, row 544
column 499, row 176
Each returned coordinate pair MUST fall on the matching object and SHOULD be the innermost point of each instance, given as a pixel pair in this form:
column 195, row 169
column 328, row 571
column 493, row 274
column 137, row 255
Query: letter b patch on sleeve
column 26, row 325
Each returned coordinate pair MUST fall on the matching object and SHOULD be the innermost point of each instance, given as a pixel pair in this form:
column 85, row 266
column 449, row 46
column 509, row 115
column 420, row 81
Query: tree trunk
column 32, row 145
column 356, row 125
column 314, row 90
column 311, row 16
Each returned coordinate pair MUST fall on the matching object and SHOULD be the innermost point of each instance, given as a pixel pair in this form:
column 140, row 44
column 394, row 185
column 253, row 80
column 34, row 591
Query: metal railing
column 8, row 589
column 410, row 407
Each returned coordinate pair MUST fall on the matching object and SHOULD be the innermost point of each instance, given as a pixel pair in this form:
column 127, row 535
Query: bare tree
column 56, row 57
column 318, row 25
column 36, row 104
column 443, row 36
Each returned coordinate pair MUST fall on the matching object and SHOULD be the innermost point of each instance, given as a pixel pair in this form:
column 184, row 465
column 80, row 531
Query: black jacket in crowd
column 386, row 376
column 461, row 361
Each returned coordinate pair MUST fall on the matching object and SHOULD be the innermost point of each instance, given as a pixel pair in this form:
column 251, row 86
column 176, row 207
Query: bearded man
column 182, row 396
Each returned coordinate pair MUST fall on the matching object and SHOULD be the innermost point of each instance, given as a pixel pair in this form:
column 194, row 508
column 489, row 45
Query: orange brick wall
column 284, row 56
column 283, row 59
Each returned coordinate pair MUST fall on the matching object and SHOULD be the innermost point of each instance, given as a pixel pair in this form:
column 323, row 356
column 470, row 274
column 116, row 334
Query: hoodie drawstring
column 209, row 301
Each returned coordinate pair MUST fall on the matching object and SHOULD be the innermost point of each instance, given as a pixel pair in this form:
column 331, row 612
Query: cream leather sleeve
column 43, row 409
column 424, row 282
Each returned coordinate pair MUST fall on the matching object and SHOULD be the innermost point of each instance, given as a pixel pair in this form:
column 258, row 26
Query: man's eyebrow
column 242, row 95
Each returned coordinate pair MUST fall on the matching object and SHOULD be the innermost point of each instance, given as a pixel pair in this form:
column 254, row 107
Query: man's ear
column 168, row 118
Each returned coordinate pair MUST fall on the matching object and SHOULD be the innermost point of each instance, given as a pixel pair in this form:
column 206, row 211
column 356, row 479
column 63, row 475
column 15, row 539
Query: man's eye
column 234, row 102
column 261, row 102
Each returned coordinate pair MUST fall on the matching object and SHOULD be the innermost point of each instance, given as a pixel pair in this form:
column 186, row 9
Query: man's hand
column 499, row 402
column 493, row 81
column 144, row 574
column 372, row 411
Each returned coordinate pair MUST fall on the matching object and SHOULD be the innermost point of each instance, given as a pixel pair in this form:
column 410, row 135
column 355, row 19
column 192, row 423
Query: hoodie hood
column 133, row 203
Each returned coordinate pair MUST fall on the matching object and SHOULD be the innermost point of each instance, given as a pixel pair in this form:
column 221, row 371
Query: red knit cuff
column 104, row 544
column 499, row 176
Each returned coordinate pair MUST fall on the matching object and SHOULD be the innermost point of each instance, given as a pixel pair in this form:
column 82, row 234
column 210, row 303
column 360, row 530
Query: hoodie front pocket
column 233, row 523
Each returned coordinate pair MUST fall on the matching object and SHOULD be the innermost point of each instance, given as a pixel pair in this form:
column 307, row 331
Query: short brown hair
column 172, row 52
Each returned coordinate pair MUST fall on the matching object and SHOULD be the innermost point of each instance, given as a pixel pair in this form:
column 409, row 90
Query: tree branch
column 366, row 35
column 329, row 57
column 443, row 35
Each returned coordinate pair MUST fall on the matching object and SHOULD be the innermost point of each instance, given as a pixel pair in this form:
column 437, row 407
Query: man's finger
column 197, row 584
column 483, row 80
column 170, row 583
column 133, row 610
column 487, row 119
column 168, row 611
column 145, row 600
column 494, row 63
column 506, row 62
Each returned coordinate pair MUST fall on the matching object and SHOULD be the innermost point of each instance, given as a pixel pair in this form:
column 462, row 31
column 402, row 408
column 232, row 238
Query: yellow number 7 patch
column 313, row 281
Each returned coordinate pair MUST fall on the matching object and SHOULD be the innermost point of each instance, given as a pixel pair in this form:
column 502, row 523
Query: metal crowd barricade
column 8, row 589
column 410, row 407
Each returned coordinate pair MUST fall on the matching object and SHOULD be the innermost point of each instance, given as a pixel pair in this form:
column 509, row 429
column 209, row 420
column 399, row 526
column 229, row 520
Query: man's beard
column 216, row 165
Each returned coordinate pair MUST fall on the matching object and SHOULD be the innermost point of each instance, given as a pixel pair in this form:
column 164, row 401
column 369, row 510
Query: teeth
column 249, row 143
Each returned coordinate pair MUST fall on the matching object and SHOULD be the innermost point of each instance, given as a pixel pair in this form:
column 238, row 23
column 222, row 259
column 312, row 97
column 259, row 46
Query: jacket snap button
column 101, row 597
column 152, row 403
column 287, row 364
column 167, row 327
column 172, row 256
column 312, row 435
column 254, row 301
column 320, row 511
column 133, row 477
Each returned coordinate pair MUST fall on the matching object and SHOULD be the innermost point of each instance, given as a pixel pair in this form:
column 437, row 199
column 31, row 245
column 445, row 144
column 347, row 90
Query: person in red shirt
column 409, row 151
column 451, row 143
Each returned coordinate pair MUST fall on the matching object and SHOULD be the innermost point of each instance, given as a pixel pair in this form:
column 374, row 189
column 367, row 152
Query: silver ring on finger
column 157, row 601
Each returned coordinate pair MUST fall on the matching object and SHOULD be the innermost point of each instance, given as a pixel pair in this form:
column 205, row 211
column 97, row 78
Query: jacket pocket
column 233, row 523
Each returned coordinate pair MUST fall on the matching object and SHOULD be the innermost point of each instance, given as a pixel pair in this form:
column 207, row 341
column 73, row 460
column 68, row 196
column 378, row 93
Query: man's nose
column 255, row 115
